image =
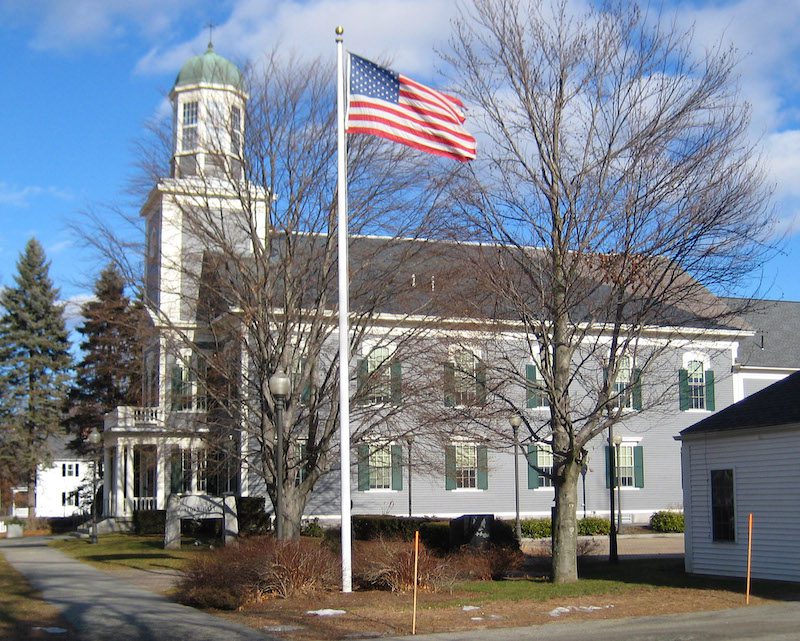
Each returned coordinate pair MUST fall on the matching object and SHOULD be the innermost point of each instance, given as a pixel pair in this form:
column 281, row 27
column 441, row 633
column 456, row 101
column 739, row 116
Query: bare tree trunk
column 565, row 525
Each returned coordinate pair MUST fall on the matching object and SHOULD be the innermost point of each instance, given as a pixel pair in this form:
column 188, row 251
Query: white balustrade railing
column 144, row 503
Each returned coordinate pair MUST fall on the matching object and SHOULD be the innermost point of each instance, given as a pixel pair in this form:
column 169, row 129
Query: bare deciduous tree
column 615, row 172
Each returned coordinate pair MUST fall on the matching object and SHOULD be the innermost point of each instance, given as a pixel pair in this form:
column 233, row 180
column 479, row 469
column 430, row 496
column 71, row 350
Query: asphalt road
column 762, row 623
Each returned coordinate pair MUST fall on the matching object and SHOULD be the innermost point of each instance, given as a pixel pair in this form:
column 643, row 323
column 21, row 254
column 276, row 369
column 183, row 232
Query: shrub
column 501, row 534
column 386, row 565
column 594, row 526
column 149, row 521
column 229, row 577
column 667, row 521
column 536, row 528
column 371, row 527
column 252, row 516
column 63, row 524
column 312, row 528
column 436, row 536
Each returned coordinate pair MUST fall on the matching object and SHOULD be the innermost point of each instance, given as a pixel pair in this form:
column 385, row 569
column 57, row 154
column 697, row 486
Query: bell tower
column 208, row 101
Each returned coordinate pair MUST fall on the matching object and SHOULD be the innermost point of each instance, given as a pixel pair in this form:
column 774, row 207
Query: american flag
column 393, row 106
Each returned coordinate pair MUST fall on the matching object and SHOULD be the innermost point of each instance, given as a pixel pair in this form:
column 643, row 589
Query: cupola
column 208, row 101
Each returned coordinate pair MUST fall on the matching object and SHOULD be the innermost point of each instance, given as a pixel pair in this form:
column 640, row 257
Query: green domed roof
column 210, row 68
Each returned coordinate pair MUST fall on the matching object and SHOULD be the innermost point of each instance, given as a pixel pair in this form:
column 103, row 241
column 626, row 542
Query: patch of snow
column 326, row 612
column 557, row 612
column 470, row 608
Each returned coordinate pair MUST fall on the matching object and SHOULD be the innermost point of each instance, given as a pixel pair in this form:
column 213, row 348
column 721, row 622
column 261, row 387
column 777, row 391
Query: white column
column 161, row 497
column 119, row 480
column 129, row 478
column 107, row 478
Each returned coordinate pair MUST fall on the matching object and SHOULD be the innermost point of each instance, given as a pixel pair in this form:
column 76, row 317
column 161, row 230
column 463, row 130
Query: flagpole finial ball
column 339, row 30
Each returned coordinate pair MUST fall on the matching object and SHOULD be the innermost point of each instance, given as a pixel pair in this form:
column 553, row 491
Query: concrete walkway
column 101, row 607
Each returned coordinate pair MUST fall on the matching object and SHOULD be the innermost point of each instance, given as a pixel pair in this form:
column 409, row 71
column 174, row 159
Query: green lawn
column 128, row 551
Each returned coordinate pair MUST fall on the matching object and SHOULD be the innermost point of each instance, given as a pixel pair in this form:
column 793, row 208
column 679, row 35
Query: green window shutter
column 397, row 467
column 483, row 468
column 449, row 384
column 531, row 393
column 636, row 392
column 480, row 383
column 175, row 473
column 306, row 393
column 363, row 467
column 533, row 473
column 638, row 466
column 709, row 390
column 450, row 467
column 608, row 466
column 176, row 387
column 683, row 388
column 362, row 372
column 397, row 383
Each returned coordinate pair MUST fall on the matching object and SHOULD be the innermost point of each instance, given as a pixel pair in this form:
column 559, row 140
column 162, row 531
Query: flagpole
column 344, row 330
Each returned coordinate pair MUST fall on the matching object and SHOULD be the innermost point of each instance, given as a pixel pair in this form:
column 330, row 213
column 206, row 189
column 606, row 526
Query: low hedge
column 253, row 518
column 369, row 527
column 542, row 528
column 667, row 521
column 149, row 521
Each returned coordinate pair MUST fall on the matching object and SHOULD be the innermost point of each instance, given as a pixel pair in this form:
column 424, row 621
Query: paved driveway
column 103, row 608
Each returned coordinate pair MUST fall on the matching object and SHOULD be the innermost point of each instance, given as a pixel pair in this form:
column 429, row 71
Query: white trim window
column 189, row 135
column 380, row 468
column 544, row 461
column 464, row 379
column 696, row 383
column 70, row 469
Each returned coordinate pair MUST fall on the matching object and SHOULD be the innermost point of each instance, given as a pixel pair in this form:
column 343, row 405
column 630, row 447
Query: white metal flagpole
column 344, row 329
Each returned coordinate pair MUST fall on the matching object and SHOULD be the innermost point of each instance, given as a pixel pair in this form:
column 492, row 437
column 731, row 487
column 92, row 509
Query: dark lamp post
column 279, row 387
column 613, row 553
column 94, row 439
column 617, row 444
column 516, row 421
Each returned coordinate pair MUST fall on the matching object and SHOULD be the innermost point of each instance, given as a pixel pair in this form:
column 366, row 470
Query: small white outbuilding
column 745, row 459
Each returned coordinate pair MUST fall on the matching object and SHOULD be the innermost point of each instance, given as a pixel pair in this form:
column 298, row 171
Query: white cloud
column 21, row 196
column 66, row 25
column 405, row 31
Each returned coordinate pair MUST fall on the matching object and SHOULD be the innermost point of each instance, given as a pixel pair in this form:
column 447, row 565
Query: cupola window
column 189, row 140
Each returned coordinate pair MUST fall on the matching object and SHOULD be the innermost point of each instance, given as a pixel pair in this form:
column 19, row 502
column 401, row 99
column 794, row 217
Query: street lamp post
column 279, row 387
column 516, row 421
column 95, row 438
column 409, row 442
column 617, row 444
column 613, row 553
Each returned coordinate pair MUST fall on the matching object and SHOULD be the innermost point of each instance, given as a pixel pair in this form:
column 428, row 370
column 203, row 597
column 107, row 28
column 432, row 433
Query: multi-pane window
column 380, row 374
column 622, row 382
column 201, row 460
column 625, row 470
column 535, row 396
column 69, row 469
column 189, row 140
column 180, row 471
column 466, row 465
column 723, row 517
column 544, row 461
column 236, row 131
column 188, row 389
column 69, row 499
column 380, row 468
column 697, row 385
column 300, row 453
column 464, row 380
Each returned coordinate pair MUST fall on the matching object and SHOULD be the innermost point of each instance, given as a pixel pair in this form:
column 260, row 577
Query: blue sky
column 81, row 77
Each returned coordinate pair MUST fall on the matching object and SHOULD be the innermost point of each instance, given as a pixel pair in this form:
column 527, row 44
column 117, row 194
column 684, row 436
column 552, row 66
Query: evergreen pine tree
column 34, row 368
column 109, row 373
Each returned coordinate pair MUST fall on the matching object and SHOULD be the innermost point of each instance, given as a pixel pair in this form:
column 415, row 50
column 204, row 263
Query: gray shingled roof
column 776, row 342
column 775, row 405
column 465, row 288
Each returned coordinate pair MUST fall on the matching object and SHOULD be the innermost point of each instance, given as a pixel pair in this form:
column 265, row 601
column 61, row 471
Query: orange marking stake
column 416, row 562
column 749, row 555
